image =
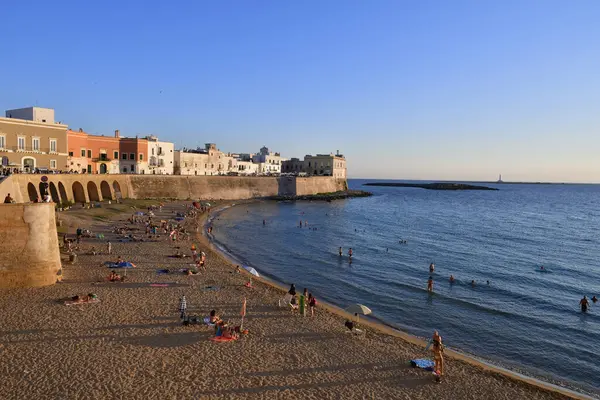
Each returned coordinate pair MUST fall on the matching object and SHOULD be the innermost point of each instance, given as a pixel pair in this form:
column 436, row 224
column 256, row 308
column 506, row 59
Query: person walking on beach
column 109, row 247
column 292, row 290
column 312, row 303
column 438, row 355
column 430, row 284
column 584, row 303
column 182, row 306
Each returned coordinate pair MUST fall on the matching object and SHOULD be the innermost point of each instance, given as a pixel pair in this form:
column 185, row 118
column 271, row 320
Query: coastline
column 381, row 326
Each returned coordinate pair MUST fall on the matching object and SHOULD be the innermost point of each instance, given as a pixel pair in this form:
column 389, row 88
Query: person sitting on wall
column 8, row 199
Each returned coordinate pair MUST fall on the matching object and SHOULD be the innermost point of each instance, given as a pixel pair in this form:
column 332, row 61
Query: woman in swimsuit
column 438, row 354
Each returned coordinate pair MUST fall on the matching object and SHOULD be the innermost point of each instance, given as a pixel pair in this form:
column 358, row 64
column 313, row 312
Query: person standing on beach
column 109, row 247
column 584, row 304
column 312, row 303
column 430, row 284
column 438, row 354
column 182, row 306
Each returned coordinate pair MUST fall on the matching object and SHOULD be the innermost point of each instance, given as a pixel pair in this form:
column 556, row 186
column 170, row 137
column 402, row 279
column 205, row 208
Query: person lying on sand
column 114, row 277
column 84, row 299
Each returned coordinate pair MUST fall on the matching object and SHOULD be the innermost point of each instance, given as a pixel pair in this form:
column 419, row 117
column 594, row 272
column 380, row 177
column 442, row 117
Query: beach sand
column 132, row 345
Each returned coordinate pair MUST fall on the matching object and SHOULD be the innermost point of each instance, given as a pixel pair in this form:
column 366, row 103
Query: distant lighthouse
column 500, row 178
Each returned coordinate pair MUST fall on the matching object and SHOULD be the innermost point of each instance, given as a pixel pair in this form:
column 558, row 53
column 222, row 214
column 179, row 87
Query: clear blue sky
column 405, row 89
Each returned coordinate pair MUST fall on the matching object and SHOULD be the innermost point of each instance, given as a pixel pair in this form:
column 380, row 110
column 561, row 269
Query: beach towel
column 422, row 363
column 222, row 339
column 162, row 271
column 72, row 302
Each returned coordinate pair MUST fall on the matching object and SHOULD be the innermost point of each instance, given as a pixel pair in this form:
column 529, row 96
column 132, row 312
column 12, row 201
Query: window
column 53, row 145
column 35, row 144
column 21, row 143
column 205, row 165
column 53, row 164
column 131, row 156
column 2, row 142
column 125, row 168
column 141, row 157
column 124, row 157
column 82, row 152
column 70, row 154
column 153, row 151
column 132, row 168
column 116, row 155
column 89, row 154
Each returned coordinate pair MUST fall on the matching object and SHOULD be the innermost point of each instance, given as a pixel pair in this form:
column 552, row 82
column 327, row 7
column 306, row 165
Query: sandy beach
column 132, row 344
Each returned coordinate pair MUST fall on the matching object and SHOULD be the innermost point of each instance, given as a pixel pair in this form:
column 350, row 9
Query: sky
column 448, row 90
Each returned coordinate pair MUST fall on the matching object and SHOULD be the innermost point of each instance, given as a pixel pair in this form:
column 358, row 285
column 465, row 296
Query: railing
column 27, row 148
column 101, row 159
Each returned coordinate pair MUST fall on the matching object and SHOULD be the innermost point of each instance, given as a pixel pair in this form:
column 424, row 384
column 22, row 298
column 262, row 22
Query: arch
column 117, row 188
column 103, row 168
column 93, row 191
column 4, row 161
column 33, row 195
column 28, row 163
column 105, row 190
column 43, row 190
column 78, row 192
column 54, row 193
column 63, row 192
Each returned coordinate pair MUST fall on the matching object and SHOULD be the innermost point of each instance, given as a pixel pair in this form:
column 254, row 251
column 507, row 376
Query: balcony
column 102, row 157
column 26, row 149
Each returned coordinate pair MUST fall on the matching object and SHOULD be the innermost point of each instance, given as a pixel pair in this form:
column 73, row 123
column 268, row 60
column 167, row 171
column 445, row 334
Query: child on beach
column 312, row 303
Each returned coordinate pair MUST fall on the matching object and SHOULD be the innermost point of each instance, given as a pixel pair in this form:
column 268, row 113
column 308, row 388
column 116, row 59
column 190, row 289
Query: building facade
column 321, row 164
column 207, row 161
column 160, row 156
column 268, row 162
column 30, row 145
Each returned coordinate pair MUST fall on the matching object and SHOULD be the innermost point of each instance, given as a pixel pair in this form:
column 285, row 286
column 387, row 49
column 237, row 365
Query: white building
column 207, row 161
column 161, row 156
column 36, row 114
column 246, row 168
column 268, row 162
column 321, row 164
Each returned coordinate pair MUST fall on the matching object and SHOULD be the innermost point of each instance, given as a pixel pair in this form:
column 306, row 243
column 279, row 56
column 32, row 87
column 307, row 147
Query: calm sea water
column 523, row 318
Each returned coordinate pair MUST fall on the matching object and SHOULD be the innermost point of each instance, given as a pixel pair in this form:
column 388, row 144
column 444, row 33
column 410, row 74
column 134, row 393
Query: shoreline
column 381, row 326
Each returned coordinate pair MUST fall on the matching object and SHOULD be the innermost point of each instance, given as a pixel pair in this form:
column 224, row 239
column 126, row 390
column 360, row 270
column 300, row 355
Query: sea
column 514, row 315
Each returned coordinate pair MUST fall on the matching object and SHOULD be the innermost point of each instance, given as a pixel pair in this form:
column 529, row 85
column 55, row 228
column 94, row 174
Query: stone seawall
column 84, row 188
column 29, row 253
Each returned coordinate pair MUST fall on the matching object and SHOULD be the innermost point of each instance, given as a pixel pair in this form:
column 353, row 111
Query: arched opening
column 117, row 189
column 28, row 164
column 63, row 192
column 33, row 196
column 4, row 161
column 102, row 168
column 93, row 191
column 54, row 193
column 78, row 193
column 43, row 190
column 124, row 170
column 105, row 190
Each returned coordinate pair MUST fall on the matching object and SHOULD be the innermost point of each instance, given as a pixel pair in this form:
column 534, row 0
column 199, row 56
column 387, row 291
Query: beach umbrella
column 251, row 270
column 358, row 309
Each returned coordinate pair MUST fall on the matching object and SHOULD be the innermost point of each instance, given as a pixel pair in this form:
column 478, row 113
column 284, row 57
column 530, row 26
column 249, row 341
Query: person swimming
column 452, row 279
column 584, row 303
column 473, row 283
column 594, row 299
column 431, row 268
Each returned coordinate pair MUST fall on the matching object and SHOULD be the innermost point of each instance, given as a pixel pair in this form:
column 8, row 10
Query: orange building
column 95, row 154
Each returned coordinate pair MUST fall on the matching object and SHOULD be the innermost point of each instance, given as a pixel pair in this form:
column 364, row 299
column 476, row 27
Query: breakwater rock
column 345, row 194
column 433, row 186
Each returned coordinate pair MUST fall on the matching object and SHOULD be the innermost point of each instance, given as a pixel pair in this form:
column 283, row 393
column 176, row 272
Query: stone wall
column 79, row 188
column 319, row 184
column 29, row 253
